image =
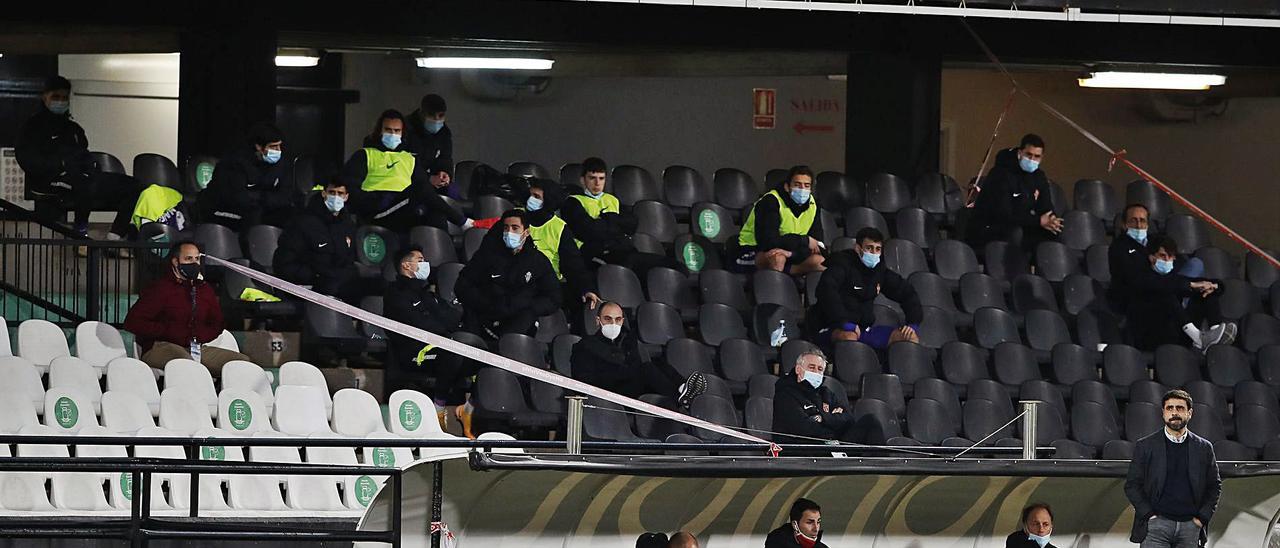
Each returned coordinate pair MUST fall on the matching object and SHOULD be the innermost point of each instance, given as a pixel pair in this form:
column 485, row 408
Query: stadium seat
column 619, row 285
column 1052, row 427
column 1176, row 365
column 40, row 341
column 528, row 169
column 904, row 257
column 718, row 322
column 1055, row 261
column 758, row 417
column 107, row 162
column 715, row 410
column 25, row 492
column 189, row 374
column 773, row 287
column 263, row 241
column 243, row 375
column 562, row 353
column 978, row 290
column 24, row 382
column 1256, row 425
column 1238, row 299
column 944, row 393
column 857, row 218
column 1259, row 271
column 607, row 421
column 937, row 194
column 837, row 192
column 571, row 174
column 1096, row 197
column 875, row 422
column 225, row 341
column 632, row 185
column 356, row 413
column 498, row 396
column 414, row 415
column 962, row 363
column 1228, row 366
column 688, row 356
column 1189, row 232
column 658, row 323
column 1158, row 204
column 374, row 247
column 1097, row 263
column 491, row 206
column 180, row 411
column 1072, row 363
column 67, row 410
column 713, row 222
column 655, row 218
column 1031, row 292
column 984, row 418
column 136, row 378
column 297, row 373
column 916, row 226
column 1096, row 392
column 1045, row 331
column 125, row 413
column 1233, row 451
column 393, row 457
column 734, row 189
column 911, row 362
column 116, row 497
column 1004, row 261
column 1255, row 393
column 928, row 422
column 524, row 349
column 300, row 410
column 98, row 343
column 1141, row 419
column 995, row 326
column 76, row 374
column 1094, row 327
column 1079, row 292
column 888, row 193
column 1080, row 230
column 218, row 241
column 933, row 292
column 1014, row 364
column 261, row 493
column 1207, row 421
column 242, row 412
column 357, row 491
column 723, row 287
column 436, row 245
column 1093, row 425
column 155, row 169
column 740, row 361
column 684, row 186
column 954, row 259
column 886, row 388
column 763, row 385
column 15, row 412
column 1147, row 391
column 1218, row 264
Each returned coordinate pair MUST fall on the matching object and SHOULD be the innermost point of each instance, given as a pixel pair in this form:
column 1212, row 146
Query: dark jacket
column 497, row 284
column 572, row 265
column 611, row 365
column 1154, row 307
column 1146, row 477
column 796, row 403
column 769, row 219
column 411, row 301
column 434, row 149
column 847, row 291
column 420, row 190
column 165, row 312
column 316, row 245
column 243, row 183
column 1019, row 539
column 785, row 537
column 53, row 151
column 1129, row 264
column 1008, row 199
column 609, row 232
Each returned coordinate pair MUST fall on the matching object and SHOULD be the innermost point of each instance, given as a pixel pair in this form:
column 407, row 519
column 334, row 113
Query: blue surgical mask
column 595, row 195
column 391, row 141
column 1138, row 234
column 1039, row 539
column 59, row 107
column 334, row 203
column 271, row 156
column 800, row 195
column 512, row 239
column 814, row 379
column 1163, row 267
column 1028, row 165
column 534, row 203
column 423, row 272
column 433, row 126
column 870, row 259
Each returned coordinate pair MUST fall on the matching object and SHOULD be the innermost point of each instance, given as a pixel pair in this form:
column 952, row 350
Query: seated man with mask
column 803, row 530
column 612, row 359
column 556, row 240
column 805, row 409
column 315, row 249
column 1154, row 307
column 783, row 232
column 252, row 185
column 847, row 292
column 506, row 289
column 1037, row 525
column 410, row 300
column 605, row 229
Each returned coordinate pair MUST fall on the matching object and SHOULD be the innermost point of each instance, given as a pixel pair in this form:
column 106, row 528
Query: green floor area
column 113, row 309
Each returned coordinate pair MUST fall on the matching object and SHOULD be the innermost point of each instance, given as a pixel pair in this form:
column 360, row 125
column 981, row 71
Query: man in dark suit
column 1173, row 481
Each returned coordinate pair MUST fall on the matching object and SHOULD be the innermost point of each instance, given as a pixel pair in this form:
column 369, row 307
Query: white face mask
column 611, row 331
column 813, row 378
column 423, row 271
column 1039, row 539
column 796, row 526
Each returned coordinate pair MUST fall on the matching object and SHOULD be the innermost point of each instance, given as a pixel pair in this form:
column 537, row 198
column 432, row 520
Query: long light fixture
column 508, row 63
column 297, row 57
column 1152, row 80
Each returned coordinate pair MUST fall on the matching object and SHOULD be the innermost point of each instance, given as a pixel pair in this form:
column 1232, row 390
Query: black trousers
column 521, row 322
column 92, row 192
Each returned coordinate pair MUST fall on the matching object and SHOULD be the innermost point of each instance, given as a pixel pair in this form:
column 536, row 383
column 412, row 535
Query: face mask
column 870, row 259
column 796, row 527
column 1138, row 234
column 611, row 331
column 190, row 271
column 59, row 107
column 433, row 126
column 1163, row 267
column 391, row 141
column 512, row 239
column 423, row 271
column 1039, row 539
column 595, row 195
column 800, row 195
column 271, row 156
column 334, row 203
column 1028, row 165
column 534, row 203
column 813, row 378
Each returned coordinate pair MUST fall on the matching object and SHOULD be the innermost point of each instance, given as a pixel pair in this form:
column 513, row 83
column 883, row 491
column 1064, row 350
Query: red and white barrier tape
column 474, row 353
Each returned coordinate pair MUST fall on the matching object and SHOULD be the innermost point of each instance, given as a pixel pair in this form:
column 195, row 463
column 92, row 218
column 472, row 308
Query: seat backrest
column 195, row 378
column 888, row 193
column 928, row 422
column 69, row 372
column 263, row 241
column 773, row 287
column 724, row 287
column 182, row 411
column 1080, row 229
column 904, row 257
column 954, row 259
column 124, row 412
column 413, row 415
column 300, row 410
column 1176, row 365
column 718, row 322
column 356, row 413
column 684, row 186
column 436, row 245
column 1015, row 364
column 985, row 417
column 741, row 360
column 243, row 375
column 858, row 218
column 218, row 240
column 655, row 218
column 23, row 377
column 671, row 287
column 875, row 421
column 41, row 341
column 98, row 343
column 837, row 192
column 633, row 184
column 67, row 410
column 995, row 326
column 713, row 222
column 978, row 290
column 134, row 377
column 917, row 226
column 1046, row 329
column 733, row 188
column 658, row 323
column 298, row 373
column 242, row 412
column 620, row 285
column 1096, row 197
column 15, row 411
column 962, row 363
column 154, row 169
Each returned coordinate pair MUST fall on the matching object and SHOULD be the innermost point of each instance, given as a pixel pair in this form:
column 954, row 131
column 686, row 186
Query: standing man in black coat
column 805, row 408
column 1037, row 525
column 253, row 185
column 1173, row 481
column 611, row 359
column 316, row 249
column 430, row 139
column 410, row 300
column 506, row 289
column 847, row 292
column 803, row 530
column 1015, row 198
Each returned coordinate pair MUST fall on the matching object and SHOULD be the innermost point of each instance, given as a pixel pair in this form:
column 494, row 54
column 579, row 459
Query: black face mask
column 190, row 271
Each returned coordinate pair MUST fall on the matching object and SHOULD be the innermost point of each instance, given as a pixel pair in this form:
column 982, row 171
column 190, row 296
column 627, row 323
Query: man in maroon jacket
column 176, row 316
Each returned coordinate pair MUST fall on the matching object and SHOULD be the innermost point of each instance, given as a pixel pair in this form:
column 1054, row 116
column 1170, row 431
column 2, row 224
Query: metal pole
column 1030, row 417
column 573, row 435
column 437, row 503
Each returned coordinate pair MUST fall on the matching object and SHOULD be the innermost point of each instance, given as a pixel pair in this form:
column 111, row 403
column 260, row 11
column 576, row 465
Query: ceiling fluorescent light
column 1152, row 80
column 297, row 60
column 509, row 63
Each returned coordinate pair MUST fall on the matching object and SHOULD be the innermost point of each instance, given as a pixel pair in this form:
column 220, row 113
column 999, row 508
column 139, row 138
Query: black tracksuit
column 434, row 149
column 411, row 301
column 768, row 221
column 785, row 537
column 1154, row 307
column 247, row 191
column 1011, row 199
column 607, row 239
column 797, row 408
column 316, row 249
column 422, row 205
column 620, row 366
column 847, row 292
column 578, row 279
column 53, row 152
column 506, row 292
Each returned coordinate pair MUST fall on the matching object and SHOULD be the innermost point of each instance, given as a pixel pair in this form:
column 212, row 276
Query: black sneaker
column 693, row 387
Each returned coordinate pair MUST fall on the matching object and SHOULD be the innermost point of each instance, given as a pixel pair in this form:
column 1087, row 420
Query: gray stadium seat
column 658, row 428
column 1093, row 425
column 851, row 362
column 491, row 206
column 528, row 169
column 436, row 245
column 498, row 396
column 992, row 391
column 1004, row 261
column 1049, row 394
column 633, row 184
column 1259, row 271
column 107, row 162
column 1072, row 363
column 963, row 363
column 723, row 287
column 734, row 189
column 875, row 422
column 933, row 291
column 857, row 218
column 447, row 279
column 837, row 192
column 1096, row 197
column 995, row 326
column 1218, row 264
column 955, row 259
column 1238, row 299
column 1189, row 232
column 983, row 417
column 263, row 240
column 740, row 360
column 1096, row 392
column 1046, row 330
column 762, row 385
column 1256, row 393
column 1140, row 419
column 1159, row 206
column 911, row 362
column 218, row 240
column 1207, row 421
column 715, row 410
column 1081, row 230
column 471, row 241
column 1147, row 391
column 647, row 243
column 1176, row 366
column 718, row 322
column 773, row 287
column 607, row 421
column 904, row 257
column 1257, row 425
column 887, row 193
column 928, row 422
column 571, row 174
column 562, row 353
column 154, row 169
column 1031, row 292
column 696, row 253
column 524, row 349
column 1097, row 263
column 655, row 218
column 1014, row 364
column 887, row 388
column 672, row 287
column 1228, row 366
column 658, row 323
column 620, row 285
column 1055, row 261
column 1080, row 292
column 713, row 222
column 944, row 393
column 759, row 417
column 917, row 226
column 684, row 187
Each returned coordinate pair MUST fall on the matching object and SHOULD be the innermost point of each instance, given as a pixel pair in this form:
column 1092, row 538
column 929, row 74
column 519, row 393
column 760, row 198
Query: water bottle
column 779, row 335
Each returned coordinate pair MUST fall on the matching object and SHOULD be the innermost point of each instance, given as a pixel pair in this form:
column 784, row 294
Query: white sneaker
column 1223, row 333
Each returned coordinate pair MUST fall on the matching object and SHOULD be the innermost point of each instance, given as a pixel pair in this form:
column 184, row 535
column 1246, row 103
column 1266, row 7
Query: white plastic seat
column 77, row 374
column 502, row 437
column 182, row 412
column 356, row 413
column 190, row 374
column 394, row 457
column 225, row 341
column 40, row 342
column 305, row 374
column 23, row 377
column 25, row 491
column 358, row 491
column 241, row 413
column 260, row 492
column 159, row 502
column 125, row 413
column 414, row 415
column 300, row 410
column 5, row 348
column 79, row 492
column 98, row 343
column 67, row 410
column 318, row 493
column 117, row 482
column 243, row 375
column 15, row 412
column 137, row 378
column 211, row 497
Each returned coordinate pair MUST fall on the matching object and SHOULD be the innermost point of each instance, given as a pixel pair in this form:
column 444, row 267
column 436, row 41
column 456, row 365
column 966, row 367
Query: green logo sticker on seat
column 694, row 257
column 204, row 174
column 66, row 412
column 375, row 248
column 384, row 458
column 216, row 452
column 410, row 415
column 366, row 488
column 709, row 223
column 126, row 485
column 240, row 414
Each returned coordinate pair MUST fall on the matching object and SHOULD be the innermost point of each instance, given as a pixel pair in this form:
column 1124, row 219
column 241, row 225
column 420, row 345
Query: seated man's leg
column 161, row 352
column 660, row 378
column 773, row 259
column 812, row 263
column 121, row 190
column 451, row 372
column 522, row 322
column 214, row 358
column 881, row 336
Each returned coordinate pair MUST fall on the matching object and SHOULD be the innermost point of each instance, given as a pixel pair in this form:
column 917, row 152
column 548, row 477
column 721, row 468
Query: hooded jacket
column 848, row 289
column 420, row 190
column 175, row 311
column 785, row 537
column 1010, row 197
column 243, row 182
column 796, row 403
column 497, row 284
column 52, row 151
column 573, row 267
column 768, row 220
column 317, row 244
column 434, row 148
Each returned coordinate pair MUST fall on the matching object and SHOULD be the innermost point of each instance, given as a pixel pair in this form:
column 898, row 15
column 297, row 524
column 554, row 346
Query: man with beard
column 804, row 530
column 1173, row 481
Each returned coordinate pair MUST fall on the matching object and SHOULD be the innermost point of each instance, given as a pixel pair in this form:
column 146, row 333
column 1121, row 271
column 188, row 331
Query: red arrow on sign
column 801, row 127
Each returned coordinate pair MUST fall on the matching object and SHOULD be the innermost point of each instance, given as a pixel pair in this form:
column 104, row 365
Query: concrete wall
column 128, row 104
